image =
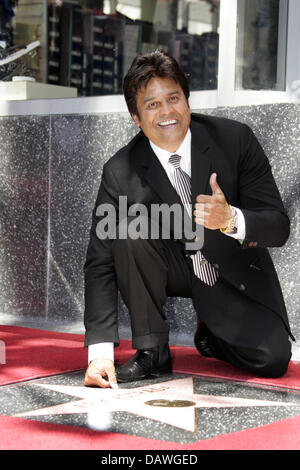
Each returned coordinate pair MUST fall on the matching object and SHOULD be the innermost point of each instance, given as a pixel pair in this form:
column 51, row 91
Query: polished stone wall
column 50, row 169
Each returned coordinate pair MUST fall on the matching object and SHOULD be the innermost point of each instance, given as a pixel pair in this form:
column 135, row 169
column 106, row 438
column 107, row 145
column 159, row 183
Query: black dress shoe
column 146, row 363
column 203, row 340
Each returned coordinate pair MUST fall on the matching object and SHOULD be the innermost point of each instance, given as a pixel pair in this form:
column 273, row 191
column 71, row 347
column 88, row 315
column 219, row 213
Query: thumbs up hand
column 213, row 212
column 214, row 185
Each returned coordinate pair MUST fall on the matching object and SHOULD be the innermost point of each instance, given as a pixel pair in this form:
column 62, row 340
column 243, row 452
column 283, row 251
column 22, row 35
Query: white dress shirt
column 106, row 350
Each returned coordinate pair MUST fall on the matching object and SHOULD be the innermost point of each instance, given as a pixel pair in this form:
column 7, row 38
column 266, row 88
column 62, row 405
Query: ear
column 136, row 120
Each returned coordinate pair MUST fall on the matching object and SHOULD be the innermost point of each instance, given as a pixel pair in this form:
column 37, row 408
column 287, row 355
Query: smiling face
column 164, row 114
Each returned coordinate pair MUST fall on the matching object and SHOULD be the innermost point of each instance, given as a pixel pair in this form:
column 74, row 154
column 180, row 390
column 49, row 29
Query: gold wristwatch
column 232, row 226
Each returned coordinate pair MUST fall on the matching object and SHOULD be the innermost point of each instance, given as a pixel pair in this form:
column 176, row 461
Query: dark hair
column 147, row 66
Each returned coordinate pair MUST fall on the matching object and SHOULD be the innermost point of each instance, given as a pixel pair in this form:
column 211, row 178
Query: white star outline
column 99, row 403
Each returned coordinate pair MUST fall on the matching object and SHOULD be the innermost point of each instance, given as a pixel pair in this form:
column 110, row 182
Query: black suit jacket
column 219, row 145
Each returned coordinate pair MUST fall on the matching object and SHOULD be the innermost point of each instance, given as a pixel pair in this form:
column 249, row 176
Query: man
column 218, row 166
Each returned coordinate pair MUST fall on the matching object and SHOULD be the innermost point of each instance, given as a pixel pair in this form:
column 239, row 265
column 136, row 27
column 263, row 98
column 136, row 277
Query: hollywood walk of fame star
column 172, row 402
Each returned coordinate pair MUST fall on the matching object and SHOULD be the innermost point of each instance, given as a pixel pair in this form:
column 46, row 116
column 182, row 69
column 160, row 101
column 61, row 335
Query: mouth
column 168, row 123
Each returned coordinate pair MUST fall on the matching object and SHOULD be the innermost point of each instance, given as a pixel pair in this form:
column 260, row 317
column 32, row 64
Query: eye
column 152, row 105
column 174, row 98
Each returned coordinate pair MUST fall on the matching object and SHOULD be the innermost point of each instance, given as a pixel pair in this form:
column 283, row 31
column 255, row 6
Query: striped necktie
column 182, row 183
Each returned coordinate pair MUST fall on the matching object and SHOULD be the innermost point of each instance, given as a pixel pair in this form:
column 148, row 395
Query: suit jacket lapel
column 150, row 170
column 153, row 175
column 200, row 162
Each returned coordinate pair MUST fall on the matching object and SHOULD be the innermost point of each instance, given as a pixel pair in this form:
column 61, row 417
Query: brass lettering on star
column 170, row 403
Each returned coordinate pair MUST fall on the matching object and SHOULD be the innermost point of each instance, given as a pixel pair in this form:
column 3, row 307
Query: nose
column 166, row 108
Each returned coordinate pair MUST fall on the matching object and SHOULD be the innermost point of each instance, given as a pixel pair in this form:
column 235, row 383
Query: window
column 90, row 44
column 235, row 52
column 261, row 44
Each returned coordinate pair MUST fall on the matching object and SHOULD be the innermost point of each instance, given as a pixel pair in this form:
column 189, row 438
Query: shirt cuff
column 101, row 350
column 241, row 226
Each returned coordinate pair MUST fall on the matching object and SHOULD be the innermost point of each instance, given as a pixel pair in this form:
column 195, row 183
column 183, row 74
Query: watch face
column 233, row 228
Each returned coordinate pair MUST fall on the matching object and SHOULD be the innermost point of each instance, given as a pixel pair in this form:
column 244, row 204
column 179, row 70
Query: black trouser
column 246, row 334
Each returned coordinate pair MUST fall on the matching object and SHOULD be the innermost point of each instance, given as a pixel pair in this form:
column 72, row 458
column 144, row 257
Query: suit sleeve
column 267, row 223
column 101, row 292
